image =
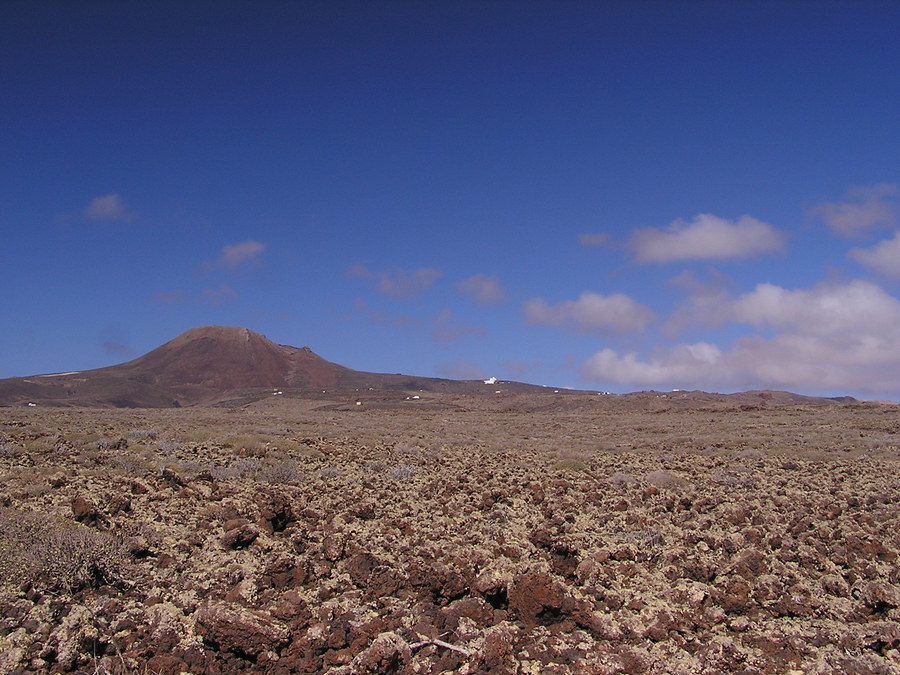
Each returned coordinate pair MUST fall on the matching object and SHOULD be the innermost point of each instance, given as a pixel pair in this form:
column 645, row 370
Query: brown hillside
column 198, row 366
column 225, row 358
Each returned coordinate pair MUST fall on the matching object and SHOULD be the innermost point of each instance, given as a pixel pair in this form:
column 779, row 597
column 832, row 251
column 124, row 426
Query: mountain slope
column 197, row 366
column 207, row 365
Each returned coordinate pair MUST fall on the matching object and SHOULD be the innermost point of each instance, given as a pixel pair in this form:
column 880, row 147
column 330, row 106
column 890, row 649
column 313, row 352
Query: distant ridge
column 221, row 365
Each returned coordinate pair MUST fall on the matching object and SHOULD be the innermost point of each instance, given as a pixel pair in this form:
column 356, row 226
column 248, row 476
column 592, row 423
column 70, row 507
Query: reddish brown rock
column 119, row 504
column 333, row 546
column 536, row 597
column 750, row 563
column 235, row 629
column 84, row 510
column 472, row 608
column 276, row 512
column 878, row 596
column 360, row 566
column 240, row 537
column 387, row 654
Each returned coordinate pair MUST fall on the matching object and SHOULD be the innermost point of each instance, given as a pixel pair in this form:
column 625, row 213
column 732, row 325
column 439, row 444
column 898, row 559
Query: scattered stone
column 240, row 631
column 84, row 510
column 240, row 537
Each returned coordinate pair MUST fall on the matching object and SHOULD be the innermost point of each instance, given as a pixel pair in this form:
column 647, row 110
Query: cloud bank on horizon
column 596, row 195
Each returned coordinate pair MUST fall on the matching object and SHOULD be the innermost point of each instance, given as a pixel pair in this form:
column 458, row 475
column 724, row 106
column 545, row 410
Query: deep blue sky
column 606, row 195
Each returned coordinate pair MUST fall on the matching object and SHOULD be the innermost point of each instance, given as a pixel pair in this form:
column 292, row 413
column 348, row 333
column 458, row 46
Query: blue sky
column 605, row 195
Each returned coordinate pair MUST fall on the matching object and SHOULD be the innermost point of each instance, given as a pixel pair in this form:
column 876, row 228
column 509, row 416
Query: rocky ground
column 295, row 536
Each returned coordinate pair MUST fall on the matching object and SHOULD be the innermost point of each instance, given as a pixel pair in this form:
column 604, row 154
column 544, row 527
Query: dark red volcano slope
column 223, row 358
column 201, row 365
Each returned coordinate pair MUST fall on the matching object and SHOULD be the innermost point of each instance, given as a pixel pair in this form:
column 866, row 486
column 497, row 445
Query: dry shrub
column 10, row 450
column 331, row 472
column 197, row 435
column 400, row 473
column 568, row 460
column 664, row 479
column 168, row 447
column 282, row 472
column 407, row 449
column 143, row 435
column 376, row 466
column 622, row 478
column 243, row 467
column 40, row 445
column 54, row 553
column 247, row 444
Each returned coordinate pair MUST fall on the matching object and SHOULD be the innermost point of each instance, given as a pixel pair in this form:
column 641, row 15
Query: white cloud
column 706, row 237
column 482, row 290
column 679, row 367
column 884, row 257
column 591, row 313
column 238, row 254
column 109, row 208
column 832, row 337
column 825, row 310
column 864, row 209
column 401, row 283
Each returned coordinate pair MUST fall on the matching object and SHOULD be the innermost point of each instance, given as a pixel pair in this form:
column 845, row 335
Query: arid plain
column 498, row 533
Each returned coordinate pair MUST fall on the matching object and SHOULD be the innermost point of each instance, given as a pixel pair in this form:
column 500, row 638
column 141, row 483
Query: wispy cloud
column 863, row 210
column 829, row 337
column 208, row 296
column 884, row 257
column 117, row 349
column 707, row 237
column 109, row 208
column 591, row 313
column 447, row 329
column 236, row 255
column 482, row 290
column 519, row 368
column 114, row 341
column 399, row 283
column 592, row 239
column 171, row 297
column 216, row 296
column 461, row 370
column 379, row 317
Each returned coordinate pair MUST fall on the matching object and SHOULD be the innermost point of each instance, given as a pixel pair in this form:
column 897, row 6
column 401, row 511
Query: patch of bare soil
column 289, row 537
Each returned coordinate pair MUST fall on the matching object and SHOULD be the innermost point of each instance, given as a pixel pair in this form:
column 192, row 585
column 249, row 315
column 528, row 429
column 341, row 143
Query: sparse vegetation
column 285, row 471
column 55, row 554
column 305, row 538
column 400, row 473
